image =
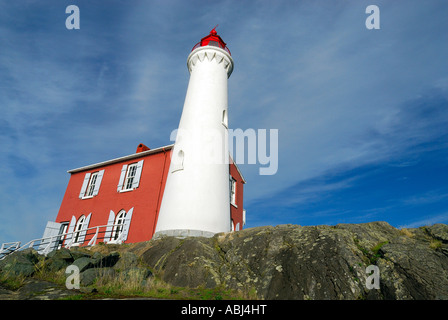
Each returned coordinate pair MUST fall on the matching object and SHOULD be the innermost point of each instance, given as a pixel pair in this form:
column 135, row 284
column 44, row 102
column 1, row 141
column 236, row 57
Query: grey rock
column 58, row 259
column 89, row 276
column 127, row 260
column 20, row 263
column 439, row 232
column 83, row 263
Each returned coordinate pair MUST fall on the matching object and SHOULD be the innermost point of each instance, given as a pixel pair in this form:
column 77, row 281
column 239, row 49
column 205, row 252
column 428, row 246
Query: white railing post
column 70, row 242
column 48, row 247
column 92, row 241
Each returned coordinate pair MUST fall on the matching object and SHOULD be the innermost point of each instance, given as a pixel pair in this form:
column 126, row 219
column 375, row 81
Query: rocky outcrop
column 316, row 262
column 282, row 262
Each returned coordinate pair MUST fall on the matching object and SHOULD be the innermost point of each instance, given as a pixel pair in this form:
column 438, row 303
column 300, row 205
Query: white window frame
column 118, row 233
column 78, row 229
column 91, row 186
column 178, row 161
column 225, row 119
column 232, row 191
column 63, row 229
column 118, row 225
column 130, row 176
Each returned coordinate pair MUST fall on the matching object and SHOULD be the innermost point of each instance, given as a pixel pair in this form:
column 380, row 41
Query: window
column 63, row 229
column 118, row 225
column 225, row 119
column 233, row 191
column 91, row 184
column 130, row 176
column 178, row 162
column 78, row 229
column 132, row 170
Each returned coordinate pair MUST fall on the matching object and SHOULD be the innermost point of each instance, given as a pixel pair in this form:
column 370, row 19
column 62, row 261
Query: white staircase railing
column 57, row 241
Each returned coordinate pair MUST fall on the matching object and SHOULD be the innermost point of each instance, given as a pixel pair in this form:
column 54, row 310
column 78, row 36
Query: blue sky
column 362, row 115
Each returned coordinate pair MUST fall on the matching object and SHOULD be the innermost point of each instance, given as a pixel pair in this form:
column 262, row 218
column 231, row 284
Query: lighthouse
column 196, row 199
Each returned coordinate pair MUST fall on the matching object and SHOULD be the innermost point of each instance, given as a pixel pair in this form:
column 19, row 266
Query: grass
column 154, row 287
column 373, row 254
column 11, row 282
column 135, row 285
column 435, row 244
column 406, row 232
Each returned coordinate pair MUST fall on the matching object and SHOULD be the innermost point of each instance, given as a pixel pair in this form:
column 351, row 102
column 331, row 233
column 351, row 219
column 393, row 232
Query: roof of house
column 128, row 157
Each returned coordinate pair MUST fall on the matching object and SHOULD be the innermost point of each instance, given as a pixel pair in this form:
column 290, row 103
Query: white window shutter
column 122, row 176
column 138, row 174
column 109, row 227
column 51, row 229
column 84, row 185
column 70, row 229
column 82, row 234
column 126, row 225
column 99, row 177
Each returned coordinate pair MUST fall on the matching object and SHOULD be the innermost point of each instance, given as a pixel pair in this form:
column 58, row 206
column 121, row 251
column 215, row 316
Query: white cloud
column 341, row 96
column 428, row 220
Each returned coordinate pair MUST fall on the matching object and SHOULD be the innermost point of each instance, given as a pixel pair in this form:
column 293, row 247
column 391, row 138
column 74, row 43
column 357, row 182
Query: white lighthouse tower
column 196, row 197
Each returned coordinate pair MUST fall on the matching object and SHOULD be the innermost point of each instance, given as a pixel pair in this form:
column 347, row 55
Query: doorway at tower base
column 183, row 233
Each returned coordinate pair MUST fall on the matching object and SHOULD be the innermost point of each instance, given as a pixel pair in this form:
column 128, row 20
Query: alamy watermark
column 373, row 280
column 213, row 146
column 72, row 281
column 73, row 21
column 373, row 20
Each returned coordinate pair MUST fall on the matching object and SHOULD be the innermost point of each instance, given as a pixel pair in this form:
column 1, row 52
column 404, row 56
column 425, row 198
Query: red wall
column 145, row 199
column 237, row 212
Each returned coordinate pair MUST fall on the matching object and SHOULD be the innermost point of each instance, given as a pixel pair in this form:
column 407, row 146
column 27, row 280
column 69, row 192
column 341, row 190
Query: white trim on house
column 129, row 157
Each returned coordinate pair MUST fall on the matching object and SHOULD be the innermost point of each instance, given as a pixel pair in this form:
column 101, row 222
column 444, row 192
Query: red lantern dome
column 213, row 39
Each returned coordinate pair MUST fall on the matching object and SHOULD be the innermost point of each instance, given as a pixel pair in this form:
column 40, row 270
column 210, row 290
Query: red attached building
column 122, row 198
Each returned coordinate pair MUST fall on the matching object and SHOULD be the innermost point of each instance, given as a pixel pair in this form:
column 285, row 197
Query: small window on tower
column 225, row 119
column 178, row 161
